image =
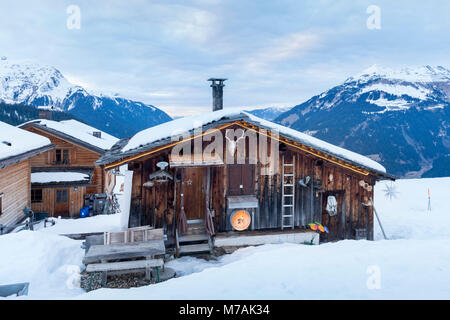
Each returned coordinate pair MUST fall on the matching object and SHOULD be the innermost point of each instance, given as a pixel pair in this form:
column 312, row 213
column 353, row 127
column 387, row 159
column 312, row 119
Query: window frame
column 63, row 195
column 63, row 154
column 33, row 192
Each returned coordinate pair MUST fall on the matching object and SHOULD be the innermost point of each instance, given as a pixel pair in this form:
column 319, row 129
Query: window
column 61, row 156
column 36, row 195
column 61, row 196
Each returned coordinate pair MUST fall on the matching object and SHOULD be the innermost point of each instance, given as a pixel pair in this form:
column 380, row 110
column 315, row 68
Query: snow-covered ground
column 100, row 223
column 413, row 264
column 407, row 215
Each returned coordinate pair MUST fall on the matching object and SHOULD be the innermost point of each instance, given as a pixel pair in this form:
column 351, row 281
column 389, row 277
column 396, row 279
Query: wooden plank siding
column 79, row 156
column 15, row 191
column 154, row 205
column 75, row 201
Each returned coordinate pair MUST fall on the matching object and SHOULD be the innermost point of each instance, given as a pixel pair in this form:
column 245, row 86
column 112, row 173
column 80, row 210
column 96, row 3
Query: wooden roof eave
column 245, row 122
column 156, row 146
column 26, row 155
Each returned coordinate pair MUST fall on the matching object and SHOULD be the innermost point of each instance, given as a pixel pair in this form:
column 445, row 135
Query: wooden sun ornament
column 241, row 220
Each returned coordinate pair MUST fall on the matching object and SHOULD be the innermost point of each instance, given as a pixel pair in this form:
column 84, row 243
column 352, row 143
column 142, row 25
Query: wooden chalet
column 203, row 200
column 17, row 148
column 61, row 177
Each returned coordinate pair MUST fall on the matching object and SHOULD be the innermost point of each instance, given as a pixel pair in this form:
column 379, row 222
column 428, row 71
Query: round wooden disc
column 241, row 220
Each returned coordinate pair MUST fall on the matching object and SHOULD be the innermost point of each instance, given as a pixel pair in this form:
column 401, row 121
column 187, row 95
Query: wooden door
column 333, row 223
column 241, row 179
column 193, row 194
column 62, row 202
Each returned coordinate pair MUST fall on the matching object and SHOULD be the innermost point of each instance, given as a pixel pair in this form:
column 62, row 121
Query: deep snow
column 15, row 141
column 413, row 264
column 80, row 131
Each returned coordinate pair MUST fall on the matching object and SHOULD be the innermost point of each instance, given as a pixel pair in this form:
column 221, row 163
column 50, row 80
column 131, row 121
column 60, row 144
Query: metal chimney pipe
column 217, row 92
column 45, row 112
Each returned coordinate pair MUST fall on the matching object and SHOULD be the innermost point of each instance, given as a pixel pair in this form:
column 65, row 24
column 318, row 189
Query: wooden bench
column 126, row 267
column 100, row 253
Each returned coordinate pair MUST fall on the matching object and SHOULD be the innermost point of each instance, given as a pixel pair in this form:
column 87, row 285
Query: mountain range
column 398, row 117
column 36, row 85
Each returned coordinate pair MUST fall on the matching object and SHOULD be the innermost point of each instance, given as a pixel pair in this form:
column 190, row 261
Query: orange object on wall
column 241, row 220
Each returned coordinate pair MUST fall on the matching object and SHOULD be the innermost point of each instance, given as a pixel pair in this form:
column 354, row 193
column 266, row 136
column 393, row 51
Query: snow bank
column 15, row 141
column 414, row 264
column 331, row 271
column 100, row 223
column 407, row 217
column 49, row 262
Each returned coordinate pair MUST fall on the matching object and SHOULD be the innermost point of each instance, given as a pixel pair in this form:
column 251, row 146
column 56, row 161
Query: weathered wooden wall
column 15, row 187
column 75, row 201
column 155, row 205
column 78, row 156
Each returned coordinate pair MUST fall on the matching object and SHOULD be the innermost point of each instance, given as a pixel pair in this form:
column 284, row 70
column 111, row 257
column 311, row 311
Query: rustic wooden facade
column 159, row 204
column 15, row 173
column 70, row 155
column 14, row 192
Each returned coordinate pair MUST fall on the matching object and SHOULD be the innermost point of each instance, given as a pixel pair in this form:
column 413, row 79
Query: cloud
column 186, row 23
column 273, row 52
column 289, row 46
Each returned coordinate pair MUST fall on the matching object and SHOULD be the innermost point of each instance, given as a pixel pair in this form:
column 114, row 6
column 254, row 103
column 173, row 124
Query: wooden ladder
column 288, row 197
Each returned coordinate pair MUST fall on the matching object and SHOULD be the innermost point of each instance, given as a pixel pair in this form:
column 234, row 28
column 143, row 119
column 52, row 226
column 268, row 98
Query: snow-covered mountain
column 398, row 117
column 269, row 113
column 37, row 85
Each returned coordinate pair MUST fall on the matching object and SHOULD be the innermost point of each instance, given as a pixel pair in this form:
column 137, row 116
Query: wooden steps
column 195, row 240
column 193, row 237
column 194, row 248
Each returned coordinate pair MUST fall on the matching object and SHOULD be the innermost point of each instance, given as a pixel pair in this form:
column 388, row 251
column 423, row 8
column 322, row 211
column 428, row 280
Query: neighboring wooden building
column 17, row 148
column 310, row 176
column 62, row 177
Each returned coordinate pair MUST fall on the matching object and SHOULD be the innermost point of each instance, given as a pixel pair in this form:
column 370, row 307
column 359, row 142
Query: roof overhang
column 26, row 155
column 56, row 171
column 63, row 136
column 245, row 123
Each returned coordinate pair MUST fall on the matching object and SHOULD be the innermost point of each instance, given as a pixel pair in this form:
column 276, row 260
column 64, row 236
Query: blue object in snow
column 84, row 212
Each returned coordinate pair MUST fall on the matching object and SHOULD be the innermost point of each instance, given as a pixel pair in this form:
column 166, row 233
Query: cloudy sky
column 274, row 53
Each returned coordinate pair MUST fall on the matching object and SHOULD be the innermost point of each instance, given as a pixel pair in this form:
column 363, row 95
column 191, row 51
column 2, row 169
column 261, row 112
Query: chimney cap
column 217, row 79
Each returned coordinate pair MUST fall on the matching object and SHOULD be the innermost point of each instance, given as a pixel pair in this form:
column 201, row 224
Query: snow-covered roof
column 151, row 137
column 77, row 130
column 15, row 141
column 48, row 177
